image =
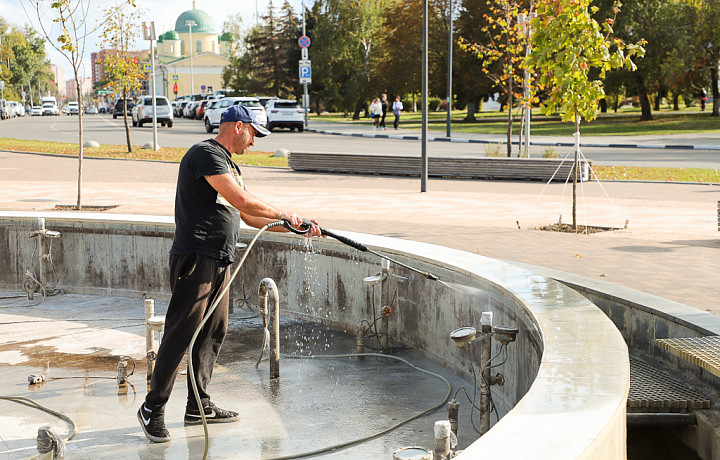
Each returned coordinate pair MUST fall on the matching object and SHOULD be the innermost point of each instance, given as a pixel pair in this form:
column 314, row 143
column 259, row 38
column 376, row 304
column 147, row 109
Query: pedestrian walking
column 703, row 99
column 384, row 107
column 397, row 108
column 375, row 112
column 210, row 201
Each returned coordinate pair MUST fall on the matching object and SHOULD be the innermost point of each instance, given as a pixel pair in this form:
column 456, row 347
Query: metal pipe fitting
column 269, row 288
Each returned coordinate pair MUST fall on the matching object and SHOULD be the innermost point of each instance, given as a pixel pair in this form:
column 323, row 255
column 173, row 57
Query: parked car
column 180, row 107
column 213, row 117
column 48, row 108
column 200, row 110
column 73, row 108
column 36, row 111
column 264, row 100
column 92, row 110
column 4, row 109
column 143, row 111
column 19, row 109
column 119, row 109
column 284, row 113
column 190, row 109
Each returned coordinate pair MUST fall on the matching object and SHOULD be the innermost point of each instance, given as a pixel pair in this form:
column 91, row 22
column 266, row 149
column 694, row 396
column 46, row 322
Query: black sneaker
column 213, row 414
column 153, row 425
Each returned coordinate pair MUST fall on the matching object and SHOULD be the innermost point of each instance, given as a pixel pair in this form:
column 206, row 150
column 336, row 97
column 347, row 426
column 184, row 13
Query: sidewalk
column 671, row 247
column 705, row 141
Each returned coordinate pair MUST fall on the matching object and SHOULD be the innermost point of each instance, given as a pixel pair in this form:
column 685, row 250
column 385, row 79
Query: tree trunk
column 676, row 102
column 575, row 170
column 510, row 120
column 127, row 128
column 472, row 108
column 359, row 105
column 603, row 105
column 80, row 143
column 715, row 93
column 642, row 94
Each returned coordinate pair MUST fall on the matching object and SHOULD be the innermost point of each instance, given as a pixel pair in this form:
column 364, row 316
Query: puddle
column 314, row 404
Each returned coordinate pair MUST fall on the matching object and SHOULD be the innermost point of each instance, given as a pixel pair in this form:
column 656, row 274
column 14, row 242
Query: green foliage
column 123, row 72
column 567, row 44
column 268, row 63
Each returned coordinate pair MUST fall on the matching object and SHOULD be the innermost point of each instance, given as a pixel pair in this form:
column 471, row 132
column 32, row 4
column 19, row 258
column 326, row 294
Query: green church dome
column 205, row 24
column 171, row 35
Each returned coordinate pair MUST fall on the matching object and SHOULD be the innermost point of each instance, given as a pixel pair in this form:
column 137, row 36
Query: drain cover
column 651, row 388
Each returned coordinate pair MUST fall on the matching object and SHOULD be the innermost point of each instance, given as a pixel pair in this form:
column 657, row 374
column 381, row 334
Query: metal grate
column 702, row 351
column 652, row 389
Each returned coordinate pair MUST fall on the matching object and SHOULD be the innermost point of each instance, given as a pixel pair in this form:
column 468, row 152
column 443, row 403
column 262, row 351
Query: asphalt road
column 106, row 130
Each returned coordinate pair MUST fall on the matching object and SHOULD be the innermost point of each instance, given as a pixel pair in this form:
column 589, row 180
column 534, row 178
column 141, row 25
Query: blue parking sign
column 305, row 71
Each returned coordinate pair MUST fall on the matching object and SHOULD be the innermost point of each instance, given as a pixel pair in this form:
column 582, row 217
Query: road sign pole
column 304, row 44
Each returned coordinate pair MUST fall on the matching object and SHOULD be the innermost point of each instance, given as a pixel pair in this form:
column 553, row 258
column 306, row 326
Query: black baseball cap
column 241, row 113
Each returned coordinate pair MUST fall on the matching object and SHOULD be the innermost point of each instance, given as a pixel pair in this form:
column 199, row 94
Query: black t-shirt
column 205, row 222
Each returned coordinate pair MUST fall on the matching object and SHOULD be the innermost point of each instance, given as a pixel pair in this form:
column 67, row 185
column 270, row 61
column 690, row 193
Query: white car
column 48, row 108
column 73, row 108
column 213, row 116
column 284, row 113
column 143, row 111
column 36, row 111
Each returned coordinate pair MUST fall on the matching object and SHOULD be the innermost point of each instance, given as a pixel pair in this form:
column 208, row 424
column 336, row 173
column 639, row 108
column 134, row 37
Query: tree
column 567, row 43
column 502, row 52
column 30, row 62
column 122, row 26
column 70, row 16
column 472, row 84
column 268, row 61
column 400, row 48
column 347, row 32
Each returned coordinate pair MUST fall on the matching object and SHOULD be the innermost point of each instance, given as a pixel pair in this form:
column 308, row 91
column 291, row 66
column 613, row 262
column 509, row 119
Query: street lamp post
column 525, row 21
column 190, row 23
column 449, row 77
column 149, row 34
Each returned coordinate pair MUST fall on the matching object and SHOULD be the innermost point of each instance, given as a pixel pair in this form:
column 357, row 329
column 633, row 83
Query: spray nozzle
column 305, row 226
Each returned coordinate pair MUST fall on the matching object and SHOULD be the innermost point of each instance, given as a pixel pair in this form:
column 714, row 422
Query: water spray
column 354, row 244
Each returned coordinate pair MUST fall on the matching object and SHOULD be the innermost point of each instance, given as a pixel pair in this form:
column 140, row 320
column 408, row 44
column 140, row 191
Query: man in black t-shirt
column 210, row 201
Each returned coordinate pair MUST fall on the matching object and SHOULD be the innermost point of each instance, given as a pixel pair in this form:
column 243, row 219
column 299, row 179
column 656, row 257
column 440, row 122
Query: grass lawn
column 625, row 123
column 172, row 154
column 255, row 158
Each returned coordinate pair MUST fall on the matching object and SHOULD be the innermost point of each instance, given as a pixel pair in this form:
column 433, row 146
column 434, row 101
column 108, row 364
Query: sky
column 163, row 12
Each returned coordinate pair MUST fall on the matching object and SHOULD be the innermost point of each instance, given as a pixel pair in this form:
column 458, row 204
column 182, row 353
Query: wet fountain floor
column 75, row 341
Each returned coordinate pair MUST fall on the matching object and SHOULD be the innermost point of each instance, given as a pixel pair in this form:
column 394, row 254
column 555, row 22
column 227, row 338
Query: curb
column 414, row 137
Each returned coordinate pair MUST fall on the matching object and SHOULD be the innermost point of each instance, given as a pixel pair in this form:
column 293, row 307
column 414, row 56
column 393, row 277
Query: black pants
column 397, row 121
column 382, row 120
column 195, row 281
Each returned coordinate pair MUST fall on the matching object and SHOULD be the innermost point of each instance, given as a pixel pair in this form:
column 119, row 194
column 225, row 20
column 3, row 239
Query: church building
column 191, row 58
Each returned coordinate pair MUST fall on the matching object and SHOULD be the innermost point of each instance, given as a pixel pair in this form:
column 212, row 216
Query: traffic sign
column 305, row 71
column 303, row 53
column 202, row 87
column 175, row 77
column 304, row 41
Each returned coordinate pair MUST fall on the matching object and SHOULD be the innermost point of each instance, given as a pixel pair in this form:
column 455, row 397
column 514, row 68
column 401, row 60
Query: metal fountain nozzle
column 463, row 336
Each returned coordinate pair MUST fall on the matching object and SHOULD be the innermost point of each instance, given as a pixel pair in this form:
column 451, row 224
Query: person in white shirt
column 397, row 107
column 375, row 112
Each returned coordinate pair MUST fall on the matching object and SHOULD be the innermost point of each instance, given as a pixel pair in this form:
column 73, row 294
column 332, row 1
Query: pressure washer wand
column 358, row 246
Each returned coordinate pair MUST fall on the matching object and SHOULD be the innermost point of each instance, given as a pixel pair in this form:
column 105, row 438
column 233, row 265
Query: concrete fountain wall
column 567, row 375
